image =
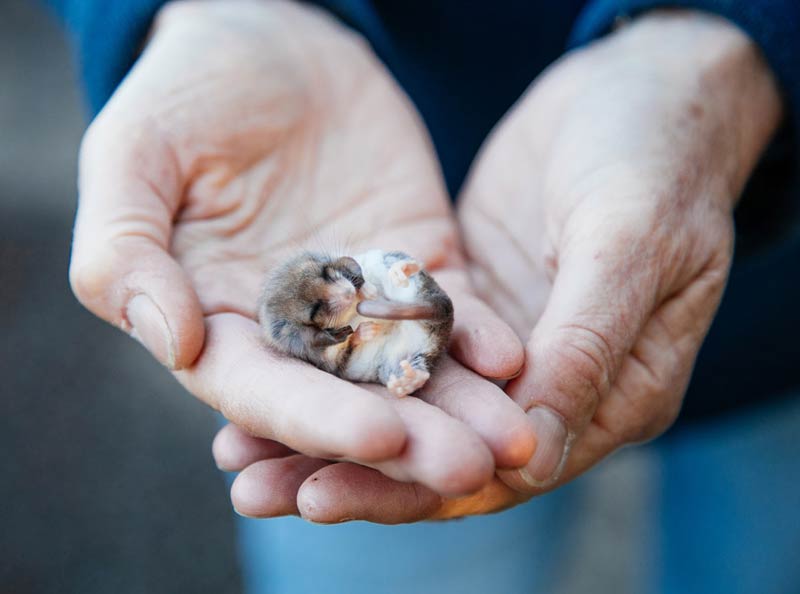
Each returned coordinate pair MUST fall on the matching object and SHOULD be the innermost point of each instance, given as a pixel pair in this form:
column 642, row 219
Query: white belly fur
column 400, row 339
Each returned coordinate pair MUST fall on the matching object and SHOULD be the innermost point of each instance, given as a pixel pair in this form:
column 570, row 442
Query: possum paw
column 368, row 291
column 410, row 381
column 400, row 272
column 366, row 331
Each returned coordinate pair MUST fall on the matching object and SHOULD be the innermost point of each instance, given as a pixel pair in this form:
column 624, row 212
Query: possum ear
column 350, row 270
column 349, row 265
column 331, row 336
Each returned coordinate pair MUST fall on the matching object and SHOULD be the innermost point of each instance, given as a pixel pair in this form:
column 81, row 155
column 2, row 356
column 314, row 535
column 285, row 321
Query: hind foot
column 401, row 271
column 410, row 381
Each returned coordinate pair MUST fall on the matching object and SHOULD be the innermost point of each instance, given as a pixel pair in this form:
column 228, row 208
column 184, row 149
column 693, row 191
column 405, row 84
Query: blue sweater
column 437, row 50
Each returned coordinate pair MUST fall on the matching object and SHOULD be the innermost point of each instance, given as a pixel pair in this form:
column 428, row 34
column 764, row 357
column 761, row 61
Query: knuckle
column 90, row 279
column 660, row 417
column 653, row 401
column 646, row 418
column 98, row 137
column 117, row 135
column 583, row 361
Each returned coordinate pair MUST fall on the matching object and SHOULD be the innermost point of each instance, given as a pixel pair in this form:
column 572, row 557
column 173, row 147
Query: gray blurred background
column 107, row 482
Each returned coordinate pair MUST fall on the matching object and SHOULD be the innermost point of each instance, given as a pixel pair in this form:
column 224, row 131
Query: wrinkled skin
column 598, row 222
column 246, row 131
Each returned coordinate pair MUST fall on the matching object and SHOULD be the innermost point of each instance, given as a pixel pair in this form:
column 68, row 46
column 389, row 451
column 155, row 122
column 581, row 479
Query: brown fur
column 308, row 304
column 298, row 310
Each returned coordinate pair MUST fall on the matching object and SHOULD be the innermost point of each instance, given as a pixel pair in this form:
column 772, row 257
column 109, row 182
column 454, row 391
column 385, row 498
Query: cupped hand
column 598, row 223
column 246, row 131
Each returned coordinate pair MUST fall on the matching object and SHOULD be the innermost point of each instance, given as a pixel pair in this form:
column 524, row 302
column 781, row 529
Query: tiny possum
column 377, row 317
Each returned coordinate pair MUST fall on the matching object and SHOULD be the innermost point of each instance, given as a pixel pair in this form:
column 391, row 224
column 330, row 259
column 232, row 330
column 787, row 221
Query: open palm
column 247, row 131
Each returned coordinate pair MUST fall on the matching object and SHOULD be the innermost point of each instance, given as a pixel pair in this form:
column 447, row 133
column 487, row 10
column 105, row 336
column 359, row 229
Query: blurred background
column 107, row 479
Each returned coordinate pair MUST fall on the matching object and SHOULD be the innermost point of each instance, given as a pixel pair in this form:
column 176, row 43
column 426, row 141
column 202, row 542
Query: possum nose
column 342, row 294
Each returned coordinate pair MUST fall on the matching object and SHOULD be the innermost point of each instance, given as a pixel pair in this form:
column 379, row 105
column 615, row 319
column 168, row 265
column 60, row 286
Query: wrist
column 724, row 78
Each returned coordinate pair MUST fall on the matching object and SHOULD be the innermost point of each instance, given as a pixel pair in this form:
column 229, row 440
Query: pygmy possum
column 376, row 317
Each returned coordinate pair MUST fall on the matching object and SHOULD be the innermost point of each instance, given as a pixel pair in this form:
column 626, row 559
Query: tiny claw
column 340, row 333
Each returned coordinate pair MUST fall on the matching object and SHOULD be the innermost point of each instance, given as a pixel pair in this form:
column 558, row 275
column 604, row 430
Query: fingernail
column 552, row 447
column 149, row 326
column 342, row 520
column 238, row 513
column 515, row 375
column 327, row 522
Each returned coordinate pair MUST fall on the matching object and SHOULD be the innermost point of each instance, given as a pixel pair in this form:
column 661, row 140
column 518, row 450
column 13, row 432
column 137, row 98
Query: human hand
column 246, row 131
column 598, row 222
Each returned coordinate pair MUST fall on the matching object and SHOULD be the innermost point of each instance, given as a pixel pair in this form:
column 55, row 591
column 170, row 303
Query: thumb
column 121, row 270
column 601, row 298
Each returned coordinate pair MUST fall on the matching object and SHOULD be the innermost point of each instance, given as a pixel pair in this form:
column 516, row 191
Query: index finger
column 289, row 401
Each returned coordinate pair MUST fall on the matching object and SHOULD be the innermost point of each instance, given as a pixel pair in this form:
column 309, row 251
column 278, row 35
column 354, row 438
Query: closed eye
column 357, row 281
column 315, row 310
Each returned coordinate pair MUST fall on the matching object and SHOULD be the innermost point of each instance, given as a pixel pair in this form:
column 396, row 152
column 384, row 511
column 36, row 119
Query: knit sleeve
column 107, row 37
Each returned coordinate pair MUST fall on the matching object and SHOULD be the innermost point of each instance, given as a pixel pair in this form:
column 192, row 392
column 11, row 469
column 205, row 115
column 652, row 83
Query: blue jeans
column 713, row 508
